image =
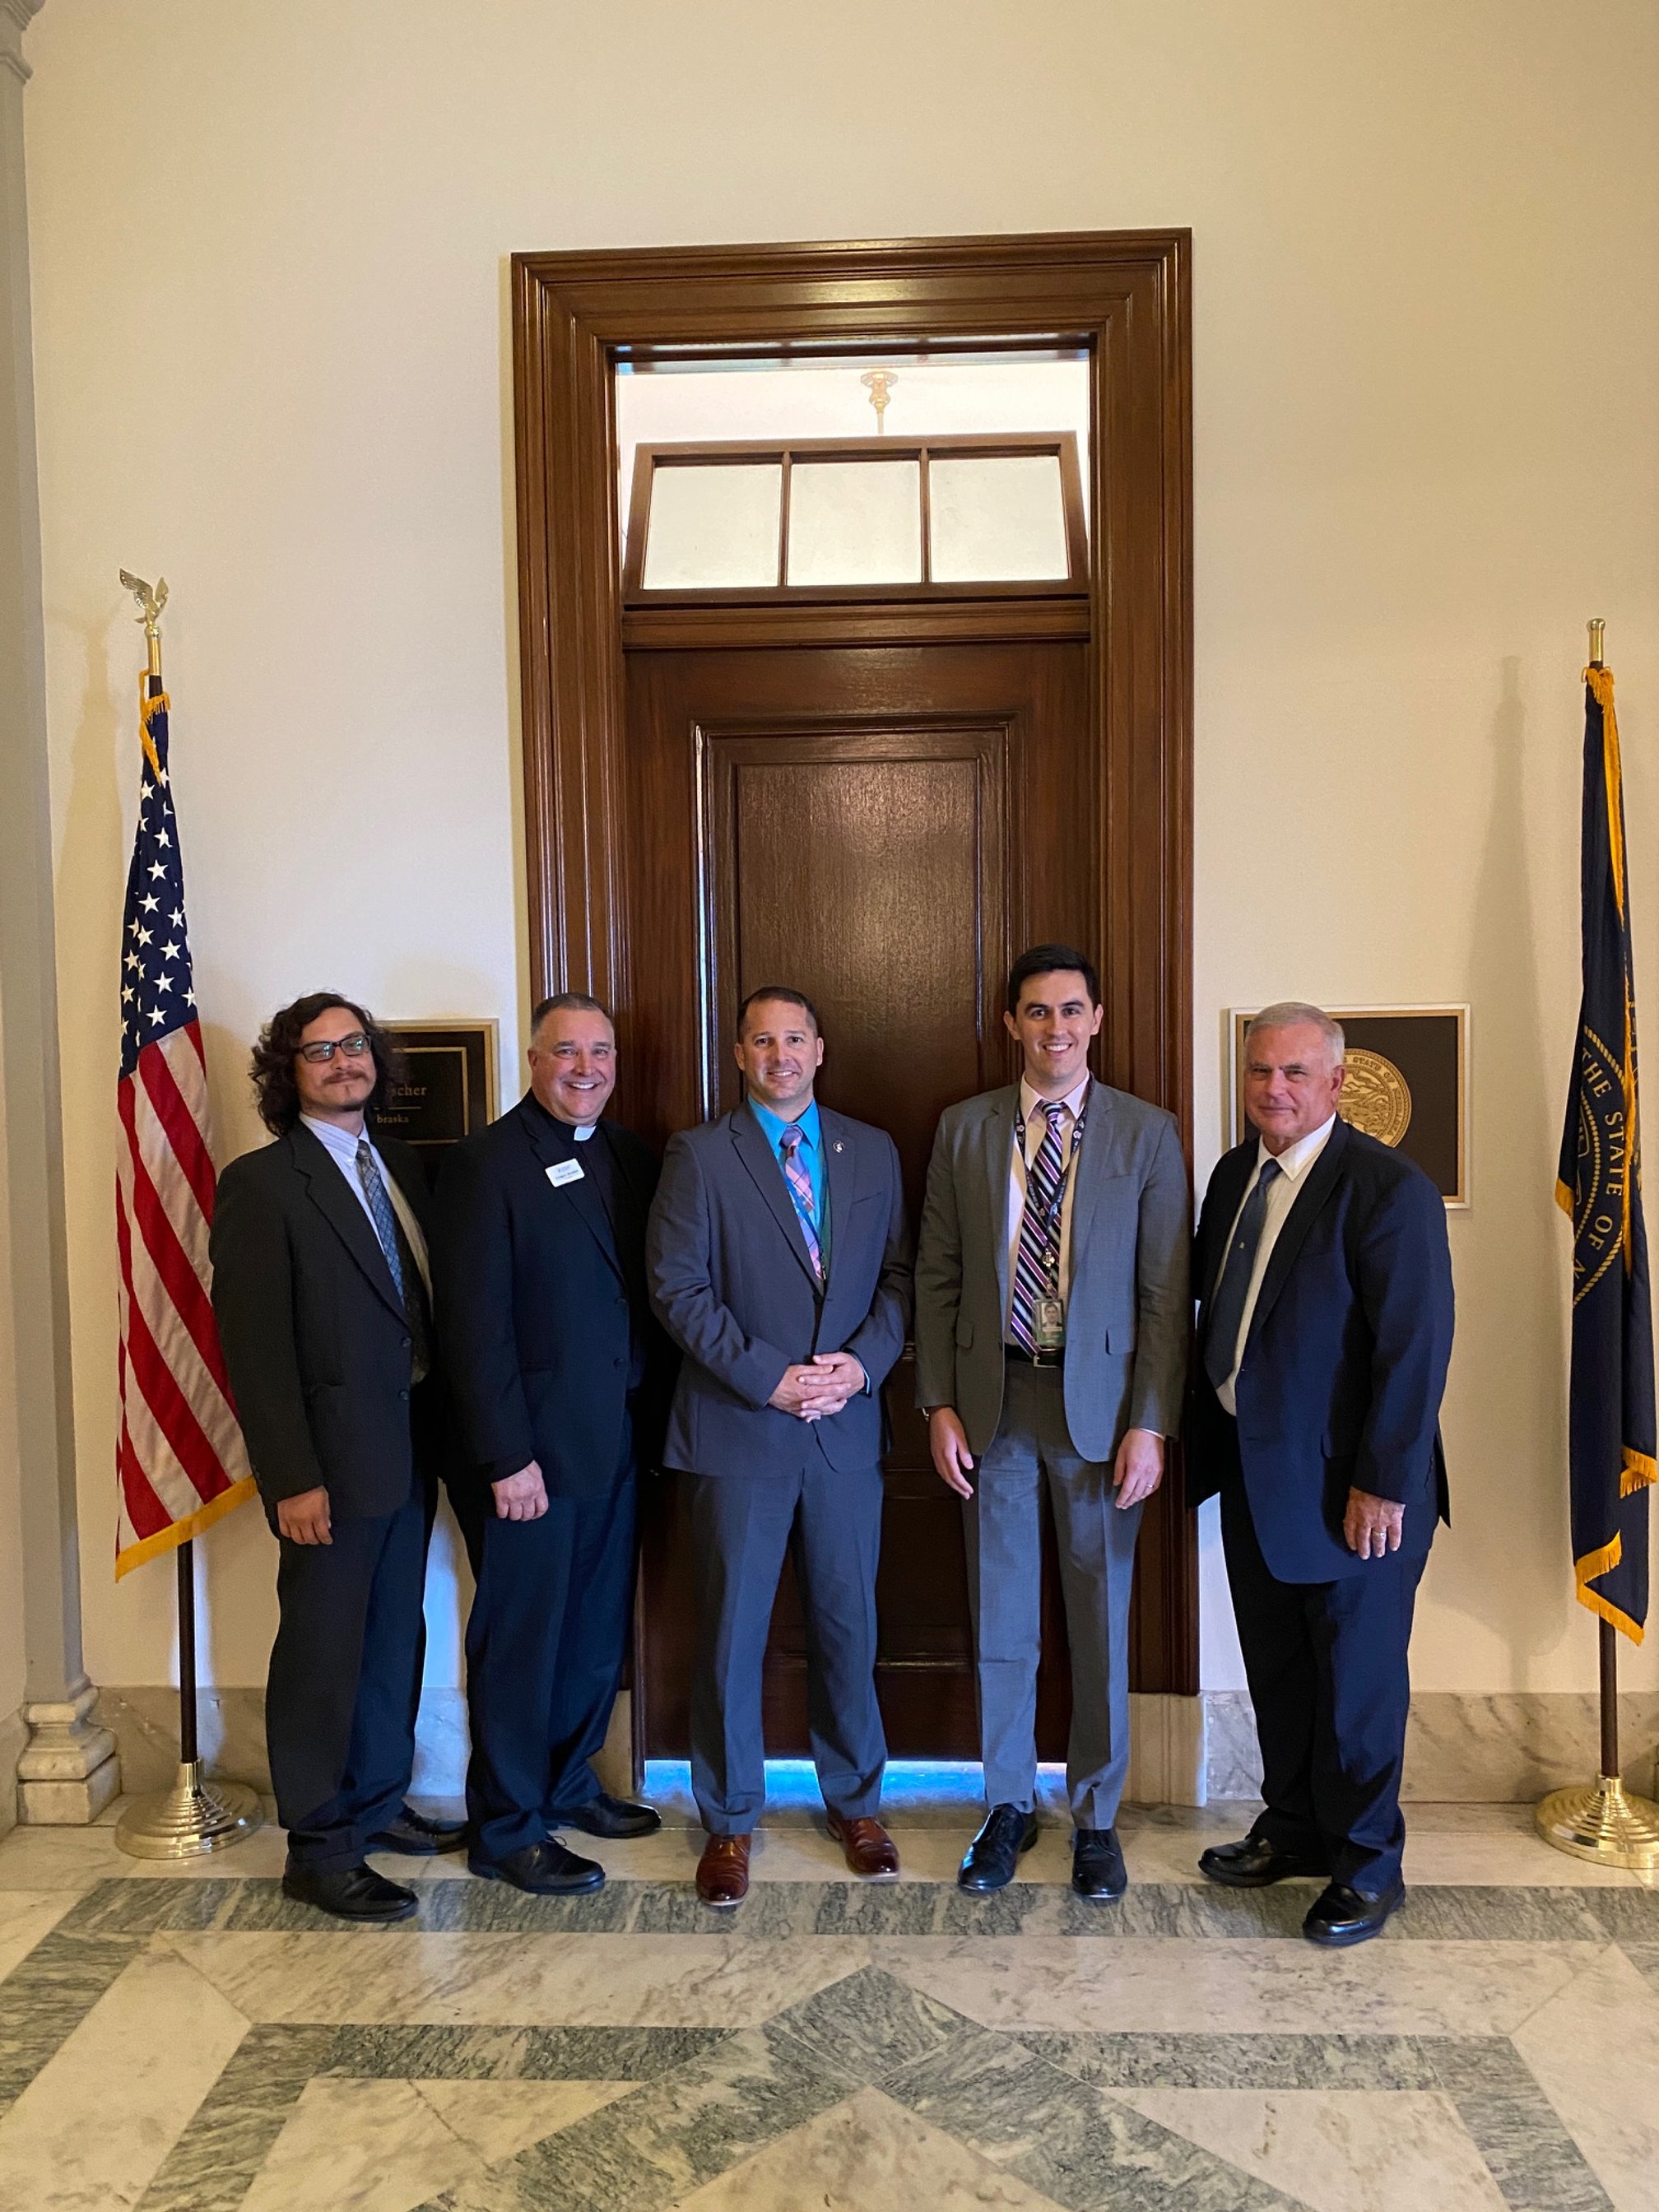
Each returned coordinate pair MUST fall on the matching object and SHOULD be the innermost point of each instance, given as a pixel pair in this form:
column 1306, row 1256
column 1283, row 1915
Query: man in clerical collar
column 556, row 1366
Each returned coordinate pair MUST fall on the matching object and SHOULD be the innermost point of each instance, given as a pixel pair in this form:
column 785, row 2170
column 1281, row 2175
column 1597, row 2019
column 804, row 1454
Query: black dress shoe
column 349, row 1892
column 994, row 1852
column 1097, row 1870
column 609, row 1816
column 1340, row 1915
column 1253, row 1862
column 415, row 1837
column 544, row 1869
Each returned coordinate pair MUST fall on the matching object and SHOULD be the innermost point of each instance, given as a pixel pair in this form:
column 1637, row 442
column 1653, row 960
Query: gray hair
column 1290, row 1014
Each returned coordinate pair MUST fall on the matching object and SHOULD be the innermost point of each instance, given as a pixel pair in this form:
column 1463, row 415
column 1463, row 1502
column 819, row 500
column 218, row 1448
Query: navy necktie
column 406, row 1273
column 1227, row 1302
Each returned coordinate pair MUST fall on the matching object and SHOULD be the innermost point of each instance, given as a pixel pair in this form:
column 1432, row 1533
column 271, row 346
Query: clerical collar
column 579, row 1132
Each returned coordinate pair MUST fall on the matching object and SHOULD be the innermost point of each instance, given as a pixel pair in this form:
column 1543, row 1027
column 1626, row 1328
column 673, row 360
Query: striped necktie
column 1036, row 1264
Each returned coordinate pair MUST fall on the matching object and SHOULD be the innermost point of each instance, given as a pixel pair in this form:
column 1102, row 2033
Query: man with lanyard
column 1051, row 1348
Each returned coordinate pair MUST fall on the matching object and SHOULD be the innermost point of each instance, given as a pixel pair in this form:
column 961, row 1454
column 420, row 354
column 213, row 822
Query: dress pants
column 546, row 1642
column 345, row 1682
column 1003, row 1524
column 829, row 1523
column 1327, row 1670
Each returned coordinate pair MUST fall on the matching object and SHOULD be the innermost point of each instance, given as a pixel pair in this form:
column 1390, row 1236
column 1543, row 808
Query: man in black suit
column 781, row 1266
column 555, row 1363
column 321, row 1287
column 1325, row 1329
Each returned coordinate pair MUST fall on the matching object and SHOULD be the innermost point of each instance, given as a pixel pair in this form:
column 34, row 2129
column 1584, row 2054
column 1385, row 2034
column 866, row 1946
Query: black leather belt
column 1017, row 1358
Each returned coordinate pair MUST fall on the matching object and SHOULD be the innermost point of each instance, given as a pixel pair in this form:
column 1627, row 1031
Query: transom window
column 841, row 517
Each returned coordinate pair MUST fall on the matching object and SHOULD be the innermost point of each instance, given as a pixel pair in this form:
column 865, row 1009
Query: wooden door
column 878, row 828
column 597, row 807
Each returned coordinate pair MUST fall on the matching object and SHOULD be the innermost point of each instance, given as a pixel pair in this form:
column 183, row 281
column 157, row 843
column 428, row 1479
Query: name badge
column 564, row 1171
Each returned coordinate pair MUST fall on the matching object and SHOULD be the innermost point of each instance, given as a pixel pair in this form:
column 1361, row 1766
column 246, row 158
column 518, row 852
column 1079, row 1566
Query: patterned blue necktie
column 1227, row 1301
column 405, row 1274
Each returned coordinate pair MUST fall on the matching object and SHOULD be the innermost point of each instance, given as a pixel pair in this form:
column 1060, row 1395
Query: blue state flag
column 1611, row 1403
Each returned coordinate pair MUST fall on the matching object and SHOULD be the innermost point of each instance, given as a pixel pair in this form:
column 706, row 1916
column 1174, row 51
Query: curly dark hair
column 272, row 1066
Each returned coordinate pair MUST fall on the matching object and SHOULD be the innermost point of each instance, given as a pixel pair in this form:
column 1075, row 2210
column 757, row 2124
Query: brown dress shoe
column 723, row 1871
column 870, row 1852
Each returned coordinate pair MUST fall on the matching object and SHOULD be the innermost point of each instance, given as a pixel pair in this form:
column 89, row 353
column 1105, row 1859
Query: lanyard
column 1048, row 1216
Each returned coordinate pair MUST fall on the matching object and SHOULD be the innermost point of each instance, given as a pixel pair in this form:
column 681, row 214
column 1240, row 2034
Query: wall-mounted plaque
column 1407, row 1084
column 449, row 1082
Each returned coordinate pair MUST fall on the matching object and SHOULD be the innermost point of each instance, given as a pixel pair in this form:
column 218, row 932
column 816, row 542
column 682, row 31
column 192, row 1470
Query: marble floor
column 188, row 2041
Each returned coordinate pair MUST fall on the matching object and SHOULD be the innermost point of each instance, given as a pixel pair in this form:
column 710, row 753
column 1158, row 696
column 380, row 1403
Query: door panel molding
column 1126, row 296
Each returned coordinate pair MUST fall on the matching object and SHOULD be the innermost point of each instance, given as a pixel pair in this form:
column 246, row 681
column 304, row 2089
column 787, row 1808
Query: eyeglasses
column 354, row 1047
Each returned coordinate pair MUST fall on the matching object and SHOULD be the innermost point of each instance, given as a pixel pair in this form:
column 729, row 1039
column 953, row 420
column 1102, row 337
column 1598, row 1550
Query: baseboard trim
column 14, row 1735
column 1506, row 1747
column 1510, row 1747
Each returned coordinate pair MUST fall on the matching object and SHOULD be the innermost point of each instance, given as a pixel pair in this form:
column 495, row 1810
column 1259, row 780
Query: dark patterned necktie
column 1227, row 1302
column 406, row 1273
column 800, row 1190
column 1036, row 1264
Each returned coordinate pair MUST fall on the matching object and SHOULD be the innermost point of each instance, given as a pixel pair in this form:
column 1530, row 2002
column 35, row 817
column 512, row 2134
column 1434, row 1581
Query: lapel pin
column 839, row 1148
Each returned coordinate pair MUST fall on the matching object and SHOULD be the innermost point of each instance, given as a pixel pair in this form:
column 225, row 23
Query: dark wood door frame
column 1126, row 294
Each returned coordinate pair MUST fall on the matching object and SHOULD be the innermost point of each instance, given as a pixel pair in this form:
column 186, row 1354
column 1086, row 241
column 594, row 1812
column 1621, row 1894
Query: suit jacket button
column 403, row 1394
column 405, row 1342
column 619, row 1362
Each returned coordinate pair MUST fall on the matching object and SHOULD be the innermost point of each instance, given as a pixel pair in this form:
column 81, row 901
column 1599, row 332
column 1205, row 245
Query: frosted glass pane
column 855, row 522
column 713, row 528
column 997, row 519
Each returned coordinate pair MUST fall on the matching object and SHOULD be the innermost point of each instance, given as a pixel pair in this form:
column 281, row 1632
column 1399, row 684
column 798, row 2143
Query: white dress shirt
column 1293, row 1163
column 1036, row 1128
column 341, row 1148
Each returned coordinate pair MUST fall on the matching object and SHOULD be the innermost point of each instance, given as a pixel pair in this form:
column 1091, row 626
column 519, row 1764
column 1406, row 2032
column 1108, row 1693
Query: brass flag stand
column 196, row 1815
column 1599, row 1819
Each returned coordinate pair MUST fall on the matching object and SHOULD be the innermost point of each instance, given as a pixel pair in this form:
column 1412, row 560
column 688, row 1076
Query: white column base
column 68, row 1770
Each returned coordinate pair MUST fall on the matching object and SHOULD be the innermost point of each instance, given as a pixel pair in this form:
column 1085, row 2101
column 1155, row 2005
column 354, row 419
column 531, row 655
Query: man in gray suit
column 779, row 1262
column 1052, row 1321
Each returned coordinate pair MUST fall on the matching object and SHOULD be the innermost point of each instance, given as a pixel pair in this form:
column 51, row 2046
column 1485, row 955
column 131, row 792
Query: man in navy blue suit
column 1325, row 1328
column 557, row 1374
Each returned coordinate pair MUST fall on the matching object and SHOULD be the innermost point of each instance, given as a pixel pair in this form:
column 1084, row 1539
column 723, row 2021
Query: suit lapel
column 840, row 1175
column 767, row 1174
column 584, row 1198
column 330, row 1195
column 1091, row 1169
column 1320, row 1182
column 997, row 1138
column 1226, row 1191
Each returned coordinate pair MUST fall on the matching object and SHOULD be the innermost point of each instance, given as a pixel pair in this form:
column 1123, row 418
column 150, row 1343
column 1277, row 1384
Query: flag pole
column 195, row 1816
column 1600, row 1820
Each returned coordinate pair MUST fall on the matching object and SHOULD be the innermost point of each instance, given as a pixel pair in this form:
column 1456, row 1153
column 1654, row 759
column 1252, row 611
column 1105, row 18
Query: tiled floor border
column 1532, row 2159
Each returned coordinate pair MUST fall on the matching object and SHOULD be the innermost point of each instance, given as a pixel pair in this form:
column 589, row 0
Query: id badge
column 1050, row 1325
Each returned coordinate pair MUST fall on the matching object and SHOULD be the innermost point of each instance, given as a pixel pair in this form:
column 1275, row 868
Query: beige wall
column 11, row 1517
column 269, row 248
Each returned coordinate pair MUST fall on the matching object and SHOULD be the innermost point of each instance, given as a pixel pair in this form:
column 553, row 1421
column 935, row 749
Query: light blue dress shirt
column 812, row 1156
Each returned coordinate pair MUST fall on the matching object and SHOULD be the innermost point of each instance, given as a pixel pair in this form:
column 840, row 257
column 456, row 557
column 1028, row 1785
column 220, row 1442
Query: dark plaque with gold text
column 448, row 1089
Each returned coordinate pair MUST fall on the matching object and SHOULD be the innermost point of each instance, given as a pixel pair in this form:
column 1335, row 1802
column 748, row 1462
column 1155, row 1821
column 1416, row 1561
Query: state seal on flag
column 1375, row 1096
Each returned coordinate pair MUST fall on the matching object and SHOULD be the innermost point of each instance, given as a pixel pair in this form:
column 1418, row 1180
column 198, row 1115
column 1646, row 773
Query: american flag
column 181, row 1460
